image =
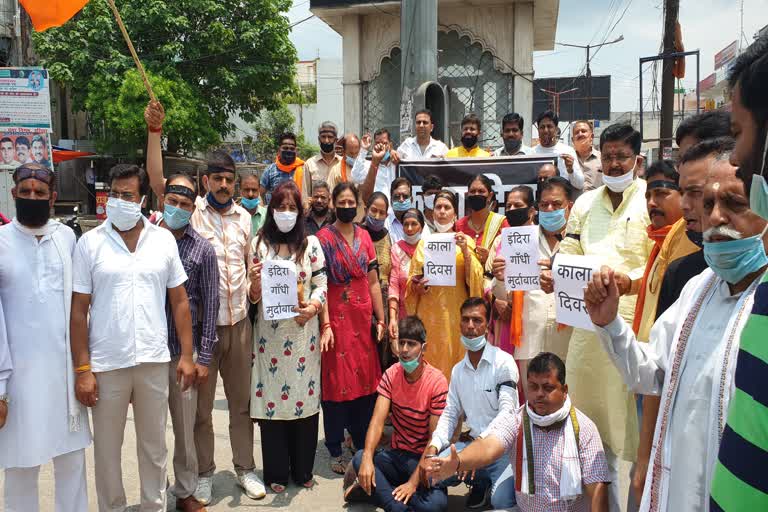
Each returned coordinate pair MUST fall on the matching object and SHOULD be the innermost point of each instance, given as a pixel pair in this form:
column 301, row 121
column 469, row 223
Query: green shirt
column 257, row 219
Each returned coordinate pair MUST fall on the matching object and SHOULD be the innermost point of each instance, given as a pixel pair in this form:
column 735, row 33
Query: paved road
column 325, row 496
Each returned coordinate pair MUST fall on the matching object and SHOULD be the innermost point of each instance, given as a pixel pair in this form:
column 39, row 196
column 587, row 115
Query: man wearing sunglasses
column 40, row 419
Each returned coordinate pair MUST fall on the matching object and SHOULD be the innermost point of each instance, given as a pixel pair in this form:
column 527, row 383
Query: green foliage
column 270, row 125
column 208, row 58
column 306, row 149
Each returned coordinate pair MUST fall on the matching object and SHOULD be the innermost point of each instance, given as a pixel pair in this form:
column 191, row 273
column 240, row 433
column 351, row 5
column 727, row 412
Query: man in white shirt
column 691, row 358
column 123, row 270
column 422, row 146
column 512, row 135
column 378, row 174
column 483, row 385
column 549, row 144
column 44, row 420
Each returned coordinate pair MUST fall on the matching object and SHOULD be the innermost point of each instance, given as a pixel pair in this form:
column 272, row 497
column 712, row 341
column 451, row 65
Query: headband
column 181, row 190
column 413, row 215
column 215, row 169
column 663, row 184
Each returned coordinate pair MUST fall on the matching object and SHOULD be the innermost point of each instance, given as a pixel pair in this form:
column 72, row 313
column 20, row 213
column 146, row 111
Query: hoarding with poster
column 23, row 146
column 456, row 173
column 25, row 98
column 726, row 55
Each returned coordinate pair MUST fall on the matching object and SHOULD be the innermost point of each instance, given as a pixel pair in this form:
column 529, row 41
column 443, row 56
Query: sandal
column 309, row 483
column 277, row 488
column 338, row 465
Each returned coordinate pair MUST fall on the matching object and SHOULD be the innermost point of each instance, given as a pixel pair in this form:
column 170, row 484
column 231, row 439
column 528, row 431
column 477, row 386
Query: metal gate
column 470, row 72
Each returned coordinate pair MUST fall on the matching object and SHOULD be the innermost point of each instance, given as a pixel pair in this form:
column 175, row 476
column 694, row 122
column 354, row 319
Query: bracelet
column 155, row 130
column 84, row 368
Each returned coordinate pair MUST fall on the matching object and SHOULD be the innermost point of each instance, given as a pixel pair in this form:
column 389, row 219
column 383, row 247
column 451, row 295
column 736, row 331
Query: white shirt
column 385, row 175
column 577, row 176
column 127, row 324
column 410, row 149
column 524, row 150
column 694, row 424
column 479, row 394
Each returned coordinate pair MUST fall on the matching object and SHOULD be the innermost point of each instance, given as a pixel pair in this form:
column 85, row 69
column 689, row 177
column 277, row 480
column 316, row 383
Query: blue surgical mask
column 401, row 206
column 473, row 344
column 175, row 218
column 374, row 224
column 350, row 161
column 758, row 192
column 250, row 204
column 387, row 156
column 733, row 260
column 219, row 206
column 552, row 221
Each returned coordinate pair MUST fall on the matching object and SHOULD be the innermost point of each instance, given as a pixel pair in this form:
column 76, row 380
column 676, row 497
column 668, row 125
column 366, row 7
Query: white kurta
column 703, row 389
column 32, row 291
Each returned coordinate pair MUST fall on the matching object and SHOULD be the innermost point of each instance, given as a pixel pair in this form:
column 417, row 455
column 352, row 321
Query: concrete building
column 320, row 81
column 485, row 57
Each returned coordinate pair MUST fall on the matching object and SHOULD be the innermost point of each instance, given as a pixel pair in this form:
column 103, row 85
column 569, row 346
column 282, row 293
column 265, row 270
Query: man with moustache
column 422, row 146
column 320, row 214
column 471, row 128
column 582, row 136
column 549, row 144
column 512, row 135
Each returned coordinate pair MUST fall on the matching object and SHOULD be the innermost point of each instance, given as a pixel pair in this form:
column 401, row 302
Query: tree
column 270, row 125
column 207, row 58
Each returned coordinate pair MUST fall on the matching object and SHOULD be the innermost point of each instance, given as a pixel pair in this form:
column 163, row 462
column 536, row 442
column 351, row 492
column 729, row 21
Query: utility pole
column 671, row 9
column 588, row 47
column 556, row 97
column 418, row 41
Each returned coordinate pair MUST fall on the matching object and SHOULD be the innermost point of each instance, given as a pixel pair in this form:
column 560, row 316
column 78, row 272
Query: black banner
column 456, row 173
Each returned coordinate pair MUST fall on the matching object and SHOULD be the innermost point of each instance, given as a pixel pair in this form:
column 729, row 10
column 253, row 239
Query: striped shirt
column 199, row 259
column 548, row 460
column 412, row 404
column 740, row 481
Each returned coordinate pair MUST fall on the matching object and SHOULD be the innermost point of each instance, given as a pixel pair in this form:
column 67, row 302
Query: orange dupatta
column 658, row 236
column 298, row 166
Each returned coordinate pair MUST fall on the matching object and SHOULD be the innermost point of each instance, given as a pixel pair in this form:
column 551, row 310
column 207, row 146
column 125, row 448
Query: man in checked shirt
column 555, row 449
column 199, row 259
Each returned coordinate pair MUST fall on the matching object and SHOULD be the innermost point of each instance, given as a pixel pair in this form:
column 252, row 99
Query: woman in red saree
column 350, row 367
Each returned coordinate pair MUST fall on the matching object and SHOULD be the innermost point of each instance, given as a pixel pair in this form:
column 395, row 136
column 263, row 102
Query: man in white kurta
column 45, row 421
column 690, row 359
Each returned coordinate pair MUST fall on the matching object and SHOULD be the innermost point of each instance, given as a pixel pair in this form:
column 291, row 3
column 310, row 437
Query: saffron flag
column 51, row 13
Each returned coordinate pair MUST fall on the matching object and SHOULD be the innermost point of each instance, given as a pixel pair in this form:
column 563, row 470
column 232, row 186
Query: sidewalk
column 324, row 497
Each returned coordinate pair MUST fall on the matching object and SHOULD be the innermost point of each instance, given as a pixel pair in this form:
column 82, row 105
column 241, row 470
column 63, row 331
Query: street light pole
column 588, row 47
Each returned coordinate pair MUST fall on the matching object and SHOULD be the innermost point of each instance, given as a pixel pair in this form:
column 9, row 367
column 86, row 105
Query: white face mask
column 429, row 202
column 621, row 183
column 123, row 214
column 412, row 239
column 285, row 221
column 443, row 228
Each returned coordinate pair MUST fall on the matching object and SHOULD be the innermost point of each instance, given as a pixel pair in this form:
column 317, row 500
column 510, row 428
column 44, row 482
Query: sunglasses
column 25, row 173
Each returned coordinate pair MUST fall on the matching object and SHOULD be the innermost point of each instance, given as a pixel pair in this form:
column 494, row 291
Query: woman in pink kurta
column 350, row 368
column 402, row 252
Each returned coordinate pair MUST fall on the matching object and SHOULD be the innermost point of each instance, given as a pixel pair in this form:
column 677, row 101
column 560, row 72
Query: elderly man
column 250, row 200
column 549, row 144
column 42, row 418
column 320, row 213
column 556, row 449
column 610, row 223
column 320, row 166
column 739, row 481
column 691, row 357
column 512, row 136
column 488, row 370
column 123, row 271
column 422, row 146
column 352, row 156
column 582, row 137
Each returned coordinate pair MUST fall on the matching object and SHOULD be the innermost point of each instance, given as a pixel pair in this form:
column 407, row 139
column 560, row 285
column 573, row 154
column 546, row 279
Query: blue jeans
column 394, row 468
column 498, row 476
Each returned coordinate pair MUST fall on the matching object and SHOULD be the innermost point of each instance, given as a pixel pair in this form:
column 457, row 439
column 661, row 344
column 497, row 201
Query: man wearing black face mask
column 40, row 419
column 512, row 134
column 470, row 135
column 322, row 166
column 287, row 166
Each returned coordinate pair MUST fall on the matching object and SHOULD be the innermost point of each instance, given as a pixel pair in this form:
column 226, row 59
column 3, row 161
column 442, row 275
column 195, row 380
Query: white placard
column 279, row 290
column 440, row 259
column 520, row 250
column 571, row 274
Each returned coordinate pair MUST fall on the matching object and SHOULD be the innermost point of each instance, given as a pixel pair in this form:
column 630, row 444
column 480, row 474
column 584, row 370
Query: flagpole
column 127, row 38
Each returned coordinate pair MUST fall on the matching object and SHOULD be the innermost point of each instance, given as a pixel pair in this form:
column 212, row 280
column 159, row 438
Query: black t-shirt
column 678, row 273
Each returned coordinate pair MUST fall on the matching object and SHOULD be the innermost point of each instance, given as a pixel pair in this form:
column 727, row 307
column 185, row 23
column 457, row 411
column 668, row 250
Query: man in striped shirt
column 414, row 392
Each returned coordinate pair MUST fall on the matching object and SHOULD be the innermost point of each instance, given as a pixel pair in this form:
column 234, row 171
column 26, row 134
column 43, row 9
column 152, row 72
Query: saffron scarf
column 658, row 236
column 298, row 166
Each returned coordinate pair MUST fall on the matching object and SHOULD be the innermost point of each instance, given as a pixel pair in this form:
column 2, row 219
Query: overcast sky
column 708, row 25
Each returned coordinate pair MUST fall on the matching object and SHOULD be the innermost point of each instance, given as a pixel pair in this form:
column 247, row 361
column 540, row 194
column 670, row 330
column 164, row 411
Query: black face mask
column 469, row 141
column 346, row 215
column 287, row 156
column 477, row 203
column 696, row 237
column 512, row 146
column 327, row 147
column 33, row 213
column 517, row 216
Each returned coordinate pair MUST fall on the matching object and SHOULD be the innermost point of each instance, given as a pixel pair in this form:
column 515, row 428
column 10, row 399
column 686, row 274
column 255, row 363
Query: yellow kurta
column 619, row 239
column 439, row 308
column 461, row 152
column 676, row 245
